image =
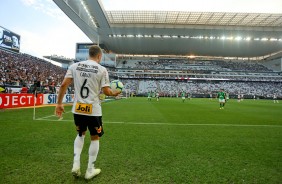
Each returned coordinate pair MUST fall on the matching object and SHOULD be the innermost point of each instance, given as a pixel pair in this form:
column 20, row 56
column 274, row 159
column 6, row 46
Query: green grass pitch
column 149, row 142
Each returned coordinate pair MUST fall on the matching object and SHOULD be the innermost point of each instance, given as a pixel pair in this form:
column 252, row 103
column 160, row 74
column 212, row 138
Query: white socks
column 78, row 145
column 93, row 152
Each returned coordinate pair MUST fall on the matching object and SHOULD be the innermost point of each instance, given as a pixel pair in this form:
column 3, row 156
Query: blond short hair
column 94, row 51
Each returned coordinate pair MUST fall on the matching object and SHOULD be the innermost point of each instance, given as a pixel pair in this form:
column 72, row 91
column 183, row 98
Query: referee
column 89, row 78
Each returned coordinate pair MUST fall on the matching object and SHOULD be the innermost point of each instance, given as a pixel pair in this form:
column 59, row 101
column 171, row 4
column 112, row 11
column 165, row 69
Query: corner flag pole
column 34, row 102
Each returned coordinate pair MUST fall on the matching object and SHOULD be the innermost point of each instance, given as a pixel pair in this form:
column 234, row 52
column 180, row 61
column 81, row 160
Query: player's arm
column 60, row 108
column 63, row 89
column 109, row 92
column 105, row 85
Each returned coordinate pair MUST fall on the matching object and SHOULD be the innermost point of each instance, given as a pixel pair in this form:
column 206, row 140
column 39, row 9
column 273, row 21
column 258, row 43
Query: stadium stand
column 202, row 77
column 180, row 64
column 130, row 85
column 17, row 70
column 167, row 76
column 172, row 87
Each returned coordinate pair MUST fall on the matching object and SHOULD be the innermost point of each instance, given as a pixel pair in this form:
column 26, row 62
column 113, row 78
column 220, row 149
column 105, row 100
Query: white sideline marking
column 50, row 116
column 175, row 124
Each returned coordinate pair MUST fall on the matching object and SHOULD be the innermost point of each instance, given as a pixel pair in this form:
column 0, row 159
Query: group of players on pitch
column 156, row 95
column 222, row 97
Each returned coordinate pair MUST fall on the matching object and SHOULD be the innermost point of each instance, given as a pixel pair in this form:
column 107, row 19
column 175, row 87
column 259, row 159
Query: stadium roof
column 195, row 18
column 177, row 32
column 59, row 59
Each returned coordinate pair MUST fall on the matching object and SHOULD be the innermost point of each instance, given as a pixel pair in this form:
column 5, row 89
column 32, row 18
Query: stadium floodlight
column 129, row 36
column 248, row 39
column 157, row 36
column 223, row 38
column 166, row 36
column 119, row 36
column 229, row 38
column 238, row 38
column 110, row 36
column 147, row 36
column 139, row 36
column 280, row 40
column 273, row 39
column 212, row 37
column 87, row 12
column 264, row 39
column 184, row 37
column 257, row 39
column 174, row 36
column 194, row 37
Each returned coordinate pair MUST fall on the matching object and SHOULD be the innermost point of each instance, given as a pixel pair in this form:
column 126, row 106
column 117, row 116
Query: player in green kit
column 221, row 98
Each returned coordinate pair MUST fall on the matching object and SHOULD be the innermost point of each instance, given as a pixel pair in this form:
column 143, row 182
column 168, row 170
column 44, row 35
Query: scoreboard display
column 9, row 40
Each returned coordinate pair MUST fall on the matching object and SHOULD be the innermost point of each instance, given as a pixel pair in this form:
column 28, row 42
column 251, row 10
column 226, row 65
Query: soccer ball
column 116, row 85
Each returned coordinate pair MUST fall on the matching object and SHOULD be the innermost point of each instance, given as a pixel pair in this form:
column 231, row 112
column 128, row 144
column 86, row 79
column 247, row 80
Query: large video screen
column 9, row 40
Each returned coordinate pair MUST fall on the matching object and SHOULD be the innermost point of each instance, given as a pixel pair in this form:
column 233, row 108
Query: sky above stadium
column 43, row 27
column 46, row 30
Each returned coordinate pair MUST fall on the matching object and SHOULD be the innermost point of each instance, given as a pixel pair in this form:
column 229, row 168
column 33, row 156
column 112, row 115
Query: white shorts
column 221, row 100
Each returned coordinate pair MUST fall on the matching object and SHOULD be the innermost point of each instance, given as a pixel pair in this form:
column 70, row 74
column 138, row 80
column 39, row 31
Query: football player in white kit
column 89, row 77
column 275, row 98
column 239, row 98
column 157, row 96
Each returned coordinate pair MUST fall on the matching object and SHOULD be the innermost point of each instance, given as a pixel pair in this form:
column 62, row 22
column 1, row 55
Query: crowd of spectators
column 180, row 64
column 247, row 88
column 130, row 85
column 18, row 69
column 172, row 87
column 26, row 71
column 242, row 66
column 147, row 85
column 241, row 77
column 207, row 77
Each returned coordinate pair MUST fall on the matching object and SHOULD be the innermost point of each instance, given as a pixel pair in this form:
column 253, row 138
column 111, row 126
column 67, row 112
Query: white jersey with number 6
column 88, row 78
